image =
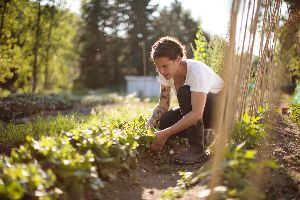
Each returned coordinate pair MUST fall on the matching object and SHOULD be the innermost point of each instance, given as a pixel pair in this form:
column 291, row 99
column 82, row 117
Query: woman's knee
column 169, row 118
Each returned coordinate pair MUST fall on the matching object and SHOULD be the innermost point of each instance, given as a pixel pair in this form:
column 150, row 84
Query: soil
column 284, row 182
column 154, row 174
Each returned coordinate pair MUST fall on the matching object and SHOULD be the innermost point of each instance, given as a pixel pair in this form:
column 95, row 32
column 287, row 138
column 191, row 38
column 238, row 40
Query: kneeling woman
column 196, row 86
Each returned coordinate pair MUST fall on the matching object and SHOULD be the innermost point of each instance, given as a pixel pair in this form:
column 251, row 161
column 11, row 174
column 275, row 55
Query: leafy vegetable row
column 75, row 165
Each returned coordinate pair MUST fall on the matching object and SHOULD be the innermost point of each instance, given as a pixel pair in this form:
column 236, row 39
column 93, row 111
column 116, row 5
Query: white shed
column 148, row 86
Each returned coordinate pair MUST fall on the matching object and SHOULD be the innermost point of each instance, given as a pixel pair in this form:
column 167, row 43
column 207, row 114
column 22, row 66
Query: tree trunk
column 46, row 74
column 36, row 48
column 2, row 18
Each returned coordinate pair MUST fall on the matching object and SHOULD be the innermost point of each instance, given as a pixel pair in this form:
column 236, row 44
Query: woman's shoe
column 192, row 156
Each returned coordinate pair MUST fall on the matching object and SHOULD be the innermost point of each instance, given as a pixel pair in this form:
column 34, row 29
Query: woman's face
column 167, row 67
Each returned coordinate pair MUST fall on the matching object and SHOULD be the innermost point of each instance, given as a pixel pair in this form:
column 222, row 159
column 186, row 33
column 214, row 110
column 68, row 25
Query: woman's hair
column 168, row 47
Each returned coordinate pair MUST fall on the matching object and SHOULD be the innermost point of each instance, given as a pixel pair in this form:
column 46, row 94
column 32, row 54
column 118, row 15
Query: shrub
column 22, row 105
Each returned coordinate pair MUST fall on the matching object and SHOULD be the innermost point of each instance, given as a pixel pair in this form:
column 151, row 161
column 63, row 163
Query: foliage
column 200, row 52
column 21, row 47
column 178, row 22
column 140, row 28
column 216, row 54
column 295, row 113
column 103, row 34
column 241, row 162
column 288, row 53
column 249, row 130
column 42, row 43
column 15, row 43
column 107, row 99
column 12, row 135
column 135, row 25
column 21, row 105
column 26, row 181
column 79, row 161
column 210, row 51
column 170, row 193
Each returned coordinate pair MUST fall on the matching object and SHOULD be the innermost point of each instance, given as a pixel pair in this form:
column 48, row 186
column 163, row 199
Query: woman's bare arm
column 198, row 100
column 162, row 107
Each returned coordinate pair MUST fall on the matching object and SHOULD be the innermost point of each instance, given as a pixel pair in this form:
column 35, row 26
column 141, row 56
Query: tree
column 211, row 51
column 201, row 50
column 52, row 11
column 94, row 57
column 140, row 24
column 36, row 47
column 216, row 54
column 177, row 22
column 3, row 8
column 27, row 50
column 16, row 28
column 289, row 53
column 63, row 53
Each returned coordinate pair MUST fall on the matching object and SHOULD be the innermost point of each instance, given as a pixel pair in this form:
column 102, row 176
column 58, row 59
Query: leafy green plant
column 248, row 130
column 211, row 51
column 81, row 160
column 200, row 52
column 295, row 113
column 240, row 163
column 26, row 181
column 74, row 171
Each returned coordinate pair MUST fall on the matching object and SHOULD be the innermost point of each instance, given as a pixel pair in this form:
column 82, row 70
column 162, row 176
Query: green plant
column 81, row 159
column 22, row 105
column 248, row 130
column 13, row 135
column 26, row 181
column 295, row 113
column 200, row 52
column 239, row 165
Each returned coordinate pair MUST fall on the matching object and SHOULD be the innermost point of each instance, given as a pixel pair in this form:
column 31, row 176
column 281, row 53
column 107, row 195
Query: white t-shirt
column 199, row 76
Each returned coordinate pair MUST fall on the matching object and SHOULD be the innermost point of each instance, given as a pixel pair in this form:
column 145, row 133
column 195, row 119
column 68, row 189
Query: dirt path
column 153, row 175
column 284, row 182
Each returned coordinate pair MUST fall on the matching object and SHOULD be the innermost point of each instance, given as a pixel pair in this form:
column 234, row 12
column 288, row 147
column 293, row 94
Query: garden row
column 74, row 165
column 24, row 105
column 243, row 161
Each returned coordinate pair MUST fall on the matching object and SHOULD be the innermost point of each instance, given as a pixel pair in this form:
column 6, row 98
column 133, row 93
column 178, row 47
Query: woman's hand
column 162, row 137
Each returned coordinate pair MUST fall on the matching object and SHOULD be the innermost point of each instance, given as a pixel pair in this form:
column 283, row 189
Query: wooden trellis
column 236, row 99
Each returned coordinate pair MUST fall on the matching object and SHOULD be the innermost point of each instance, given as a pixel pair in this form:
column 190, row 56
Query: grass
column 12, row 135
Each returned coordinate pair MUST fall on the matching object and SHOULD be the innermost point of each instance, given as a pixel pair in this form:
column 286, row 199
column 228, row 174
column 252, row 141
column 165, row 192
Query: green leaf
column 246, row 118
column 250, row 154
column 270, row 163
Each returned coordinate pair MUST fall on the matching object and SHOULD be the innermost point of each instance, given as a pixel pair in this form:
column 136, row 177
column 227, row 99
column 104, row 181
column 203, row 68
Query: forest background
column 46, row 47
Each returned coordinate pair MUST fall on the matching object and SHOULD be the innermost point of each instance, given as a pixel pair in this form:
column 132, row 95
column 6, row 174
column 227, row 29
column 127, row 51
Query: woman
column 195, row 84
